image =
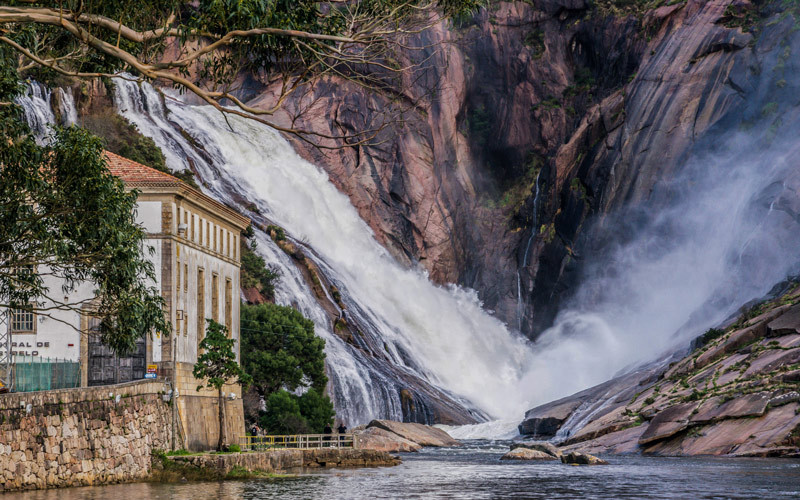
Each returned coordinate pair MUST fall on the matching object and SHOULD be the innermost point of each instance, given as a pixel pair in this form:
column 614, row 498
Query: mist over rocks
column 740, row 401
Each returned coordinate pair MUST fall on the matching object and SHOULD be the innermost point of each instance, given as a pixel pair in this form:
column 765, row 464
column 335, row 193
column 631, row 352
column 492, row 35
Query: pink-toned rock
column 767, row 435
column 744, row 406
column 668, row 423
column 379, row 439
column 423, row 435
column 787, row 323
column 737, row 340
column 528, row 454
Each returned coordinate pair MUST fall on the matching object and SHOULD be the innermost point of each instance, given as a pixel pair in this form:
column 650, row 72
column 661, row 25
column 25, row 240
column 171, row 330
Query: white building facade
column 193, row 243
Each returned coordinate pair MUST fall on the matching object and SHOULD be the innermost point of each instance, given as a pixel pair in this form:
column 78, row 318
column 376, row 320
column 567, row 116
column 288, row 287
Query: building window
column 23, row 321
column 215, row 297
column 229, row 306
column 178, row 273
column 201, row 307
column 186, row 277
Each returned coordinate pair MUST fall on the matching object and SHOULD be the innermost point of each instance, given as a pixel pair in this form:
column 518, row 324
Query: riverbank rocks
column 379, row 439
column 423, row 435
column 527, row 454
column 735, row 394
column 541, row 446
column 577, row 458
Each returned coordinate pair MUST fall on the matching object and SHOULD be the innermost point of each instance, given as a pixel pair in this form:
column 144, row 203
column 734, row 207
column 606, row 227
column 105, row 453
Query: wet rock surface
column 577, row 458
column 527, row 454
column 376, row 438
column 403, row 436
column 738, row 394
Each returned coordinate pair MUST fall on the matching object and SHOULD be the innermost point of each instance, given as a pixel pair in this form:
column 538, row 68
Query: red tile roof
column 134, row 173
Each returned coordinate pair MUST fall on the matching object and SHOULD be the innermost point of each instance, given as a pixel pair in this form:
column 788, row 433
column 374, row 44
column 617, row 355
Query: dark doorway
column 105, row 367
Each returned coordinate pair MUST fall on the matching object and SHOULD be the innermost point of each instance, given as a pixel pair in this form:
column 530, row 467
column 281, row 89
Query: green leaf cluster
column 280, row 350
column 290, row 414
column 62, row 214
column 217, row 362
column 255, row 273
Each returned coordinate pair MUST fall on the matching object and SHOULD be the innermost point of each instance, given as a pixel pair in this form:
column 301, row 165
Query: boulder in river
column 423, row 435
column 379, row 439
column 527, row 454
column 541, row 446
column 578, row 458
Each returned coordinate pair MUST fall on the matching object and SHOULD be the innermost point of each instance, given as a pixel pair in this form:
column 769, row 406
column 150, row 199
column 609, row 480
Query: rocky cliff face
column 736, row 393
column 588, row 105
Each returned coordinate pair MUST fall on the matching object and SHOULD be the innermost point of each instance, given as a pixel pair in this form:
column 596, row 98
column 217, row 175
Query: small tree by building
column 217, row 365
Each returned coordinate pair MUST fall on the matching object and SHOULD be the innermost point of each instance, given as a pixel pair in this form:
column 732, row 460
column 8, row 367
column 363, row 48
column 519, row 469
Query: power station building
column 193, row 243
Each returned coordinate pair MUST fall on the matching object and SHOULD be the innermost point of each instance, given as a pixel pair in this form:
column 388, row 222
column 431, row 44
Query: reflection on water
column 475, row 472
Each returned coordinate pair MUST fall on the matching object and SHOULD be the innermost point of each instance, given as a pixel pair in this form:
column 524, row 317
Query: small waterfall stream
column 534, row 231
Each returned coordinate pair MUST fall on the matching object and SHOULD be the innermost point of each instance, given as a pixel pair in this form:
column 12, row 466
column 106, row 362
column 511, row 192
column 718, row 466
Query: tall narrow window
column 201, row 307
column 23, row 321
column 178, row 274
column 186, row 277
column 229, row 306
column 215, row 297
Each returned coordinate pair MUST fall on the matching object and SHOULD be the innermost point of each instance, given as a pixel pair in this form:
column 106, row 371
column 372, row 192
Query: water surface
column 475, row 472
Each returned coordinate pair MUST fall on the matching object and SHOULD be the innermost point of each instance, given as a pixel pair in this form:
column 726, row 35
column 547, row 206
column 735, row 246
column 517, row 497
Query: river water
column 474, row 471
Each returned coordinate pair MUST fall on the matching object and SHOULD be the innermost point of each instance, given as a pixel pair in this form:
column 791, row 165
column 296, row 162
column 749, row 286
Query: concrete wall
column 76, row 437
column 196, row 407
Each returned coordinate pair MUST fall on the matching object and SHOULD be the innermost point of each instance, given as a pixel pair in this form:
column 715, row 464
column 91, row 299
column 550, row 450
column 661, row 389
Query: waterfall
column 37, row 106
column 534, row 230
column 677, row 276
column 39, row 114
column 438, row 334
column 728, row 233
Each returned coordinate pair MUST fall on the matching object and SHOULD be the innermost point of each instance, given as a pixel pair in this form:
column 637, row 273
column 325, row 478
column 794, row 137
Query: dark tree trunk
column 221, row 442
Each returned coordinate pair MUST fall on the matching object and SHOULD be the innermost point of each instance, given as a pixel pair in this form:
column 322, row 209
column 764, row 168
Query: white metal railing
column 297, row 441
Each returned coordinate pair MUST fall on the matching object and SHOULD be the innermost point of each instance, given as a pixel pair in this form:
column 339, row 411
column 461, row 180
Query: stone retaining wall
column 280, row 461
column 84, row 436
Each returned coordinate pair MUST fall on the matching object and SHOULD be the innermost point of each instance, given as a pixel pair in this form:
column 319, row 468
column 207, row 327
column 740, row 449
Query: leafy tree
column 283, row 415
column 290, row 414
column 217, row 365
column 280, row 350
column 317, row 409
column 287, row 42
column 63, row 215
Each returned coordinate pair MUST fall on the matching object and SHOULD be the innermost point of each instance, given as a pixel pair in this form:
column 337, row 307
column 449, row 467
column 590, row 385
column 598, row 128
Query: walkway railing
column 297, row 441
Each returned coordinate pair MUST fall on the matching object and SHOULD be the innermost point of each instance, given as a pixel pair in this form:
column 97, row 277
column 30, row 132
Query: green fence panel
column 42, row 374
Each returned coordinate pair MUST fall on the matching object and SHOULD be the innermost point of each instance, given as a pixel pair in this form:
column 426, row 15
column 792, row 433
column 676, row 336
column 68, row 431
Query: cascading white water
column 38, row 112
column 697, row 249
column 440, row 334
column 37, row 105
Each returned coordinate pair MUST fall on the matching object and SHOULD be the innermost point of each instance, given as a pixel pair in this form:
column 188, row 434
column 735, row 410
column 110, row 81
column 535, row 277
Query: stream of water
column 475, row 472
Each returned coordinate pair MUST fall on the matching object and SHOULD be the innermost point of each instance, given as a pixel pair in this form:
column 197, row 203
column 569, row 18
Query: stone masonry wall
column 85, row 436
